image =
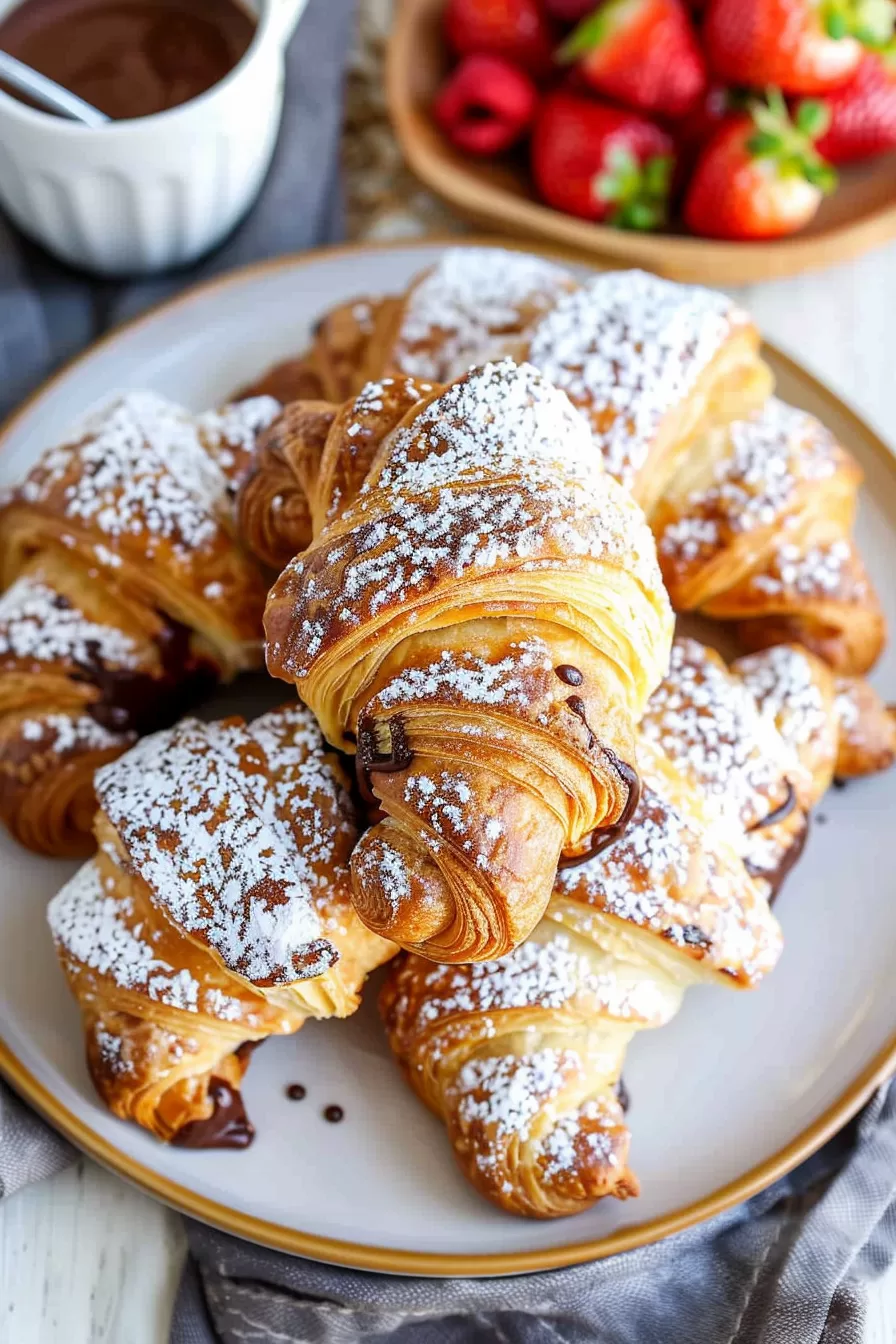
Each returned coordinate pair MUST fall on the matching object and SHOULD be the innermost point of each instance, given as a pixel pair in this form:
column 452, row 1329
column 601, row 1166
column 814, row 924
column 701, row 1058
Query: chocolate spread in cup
column 129, row 58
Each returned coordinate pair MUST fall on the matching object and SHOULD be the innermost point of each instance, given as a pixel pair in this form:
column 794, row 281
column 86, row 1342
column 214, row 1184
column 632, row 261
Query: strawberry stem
column 789, row 143
column 640, row 191
column 869, row 21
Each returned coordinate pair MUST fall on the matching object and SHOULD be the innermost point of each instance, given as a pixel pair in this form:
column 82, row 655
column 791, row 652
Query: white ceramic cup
column 132, row 197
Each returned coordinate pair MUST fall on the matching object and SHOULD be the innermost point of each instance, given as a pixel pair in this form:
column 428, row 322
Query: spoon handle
column 50, row 94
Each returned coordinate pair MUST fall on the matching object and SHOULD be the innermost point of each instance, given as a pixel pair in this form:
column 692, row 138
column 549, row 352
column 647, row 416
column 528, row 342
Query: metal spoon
column 48, row 93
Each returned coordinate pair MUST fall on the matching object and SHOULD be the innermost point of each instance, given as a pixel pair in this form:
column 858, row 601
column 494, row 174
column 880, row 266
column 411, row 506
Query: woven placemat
column 383, row 199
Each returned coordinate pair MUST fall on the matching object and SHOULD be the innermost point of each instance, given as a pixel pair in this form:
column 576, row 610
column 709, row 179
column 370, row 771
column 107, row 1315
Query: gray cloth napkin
column 789, row 1267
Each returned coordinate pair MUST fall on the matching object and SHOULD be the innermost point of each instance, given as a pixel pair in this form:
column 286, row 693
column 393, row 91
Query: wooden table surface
column 85, row 1259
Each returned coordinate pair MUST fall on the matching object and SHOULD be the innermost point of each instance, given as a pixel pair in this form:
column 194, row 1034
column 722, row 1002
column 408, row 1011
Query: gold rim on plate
column 357, row 1255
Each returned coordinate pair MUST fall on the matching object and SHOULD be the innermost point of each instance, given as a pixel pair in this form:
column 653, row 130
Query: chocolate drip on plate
column 228, row 1126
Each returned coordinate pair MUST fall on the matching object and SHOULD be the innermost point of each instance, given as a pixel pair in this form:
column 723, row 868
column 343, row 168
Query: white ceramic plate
column 736, row 1090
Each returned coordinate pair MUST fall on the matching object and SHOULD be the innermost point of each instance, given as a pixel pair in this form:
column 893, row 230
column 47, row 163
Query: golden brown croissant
column 755, row 529
column 483, row 624
column 753, row 521
column 522, row 1057
column 127, row 595
column 215, row 914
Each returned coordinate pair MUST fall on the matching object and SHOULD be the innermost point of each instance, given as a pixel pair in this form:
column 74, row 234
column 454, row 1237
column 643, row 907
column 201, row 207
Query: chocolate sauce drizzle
column 296, row 1091
column 228, row 1126
column 622, row 1095
column 139, row 701
column 569, row 674
column 608, row 835
column 779, row 814
column 334, row 1114
column 776, row 876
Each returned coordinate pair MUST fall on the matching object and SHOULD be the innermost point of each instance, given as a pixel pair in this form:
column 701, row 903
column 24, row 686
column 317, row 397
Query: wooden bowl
column 498, row 193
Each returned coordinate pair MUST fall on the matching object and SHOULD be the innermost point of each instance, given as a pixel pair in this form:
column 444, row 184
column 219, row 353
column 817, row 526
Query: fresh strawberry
column 641, row 52
column 863, row 113
column 760, row 175
column 568, row 11
column 596, row 161
column 706, row 116
column 516, row 30
column 800, row 46
column 485, row 105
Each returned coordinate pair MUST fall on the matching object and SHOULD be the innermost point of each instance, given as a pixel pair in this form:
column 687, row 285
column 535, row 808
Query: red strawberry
column 516, row 30
column 568, row 11
column 594, row 160
column 800, row 46
column 642, row 52
column 485, row 105
column 760, row 175
column 863, row 112
column 705, row 116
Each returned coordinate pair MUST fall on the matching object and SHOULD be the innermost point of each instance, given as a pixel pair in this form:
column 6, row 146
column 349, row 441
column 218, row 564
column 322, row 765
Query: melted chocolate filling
column 779, row 813
column 369, row 761
column 577, row 705
column 602, row 839
column 569, row 674
column 140, row 702
column 228, row 1126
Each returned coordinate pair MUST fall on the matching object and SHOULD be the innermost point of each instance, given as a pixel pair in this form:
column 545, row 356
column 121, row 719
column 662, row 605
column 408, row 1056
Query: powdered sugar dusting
column 201, row 825
column 627, row 347
column 64, row 734
column 94, row 927
column 772, row 455
column 504, row 1093
column 37, row 624
column 140, row 468
column 709, row 725
column 457, row 314
column 782, row 681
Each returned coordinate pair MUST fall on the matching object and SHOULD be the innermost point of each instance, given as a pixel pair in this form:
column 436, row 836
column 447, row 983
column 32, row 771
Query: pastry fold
column 215, row 914
column 481, row 621
column 127, row 597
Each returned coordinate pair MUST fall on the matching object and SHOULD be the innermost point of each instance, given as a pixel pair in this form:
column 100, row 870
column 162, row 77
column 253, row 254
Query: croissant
column 521, row 1058
column 661, row 371
column 127, row 597
column 482, row 626
column 755, row 529
column 216, row 913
